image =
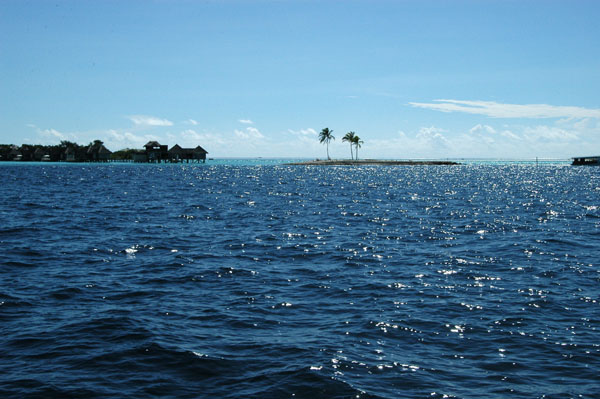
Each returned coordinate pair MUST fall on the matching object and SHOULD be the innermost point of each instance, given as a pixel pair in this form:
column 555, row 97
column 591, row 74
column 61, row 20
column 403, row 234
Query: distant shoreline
column 335, row 162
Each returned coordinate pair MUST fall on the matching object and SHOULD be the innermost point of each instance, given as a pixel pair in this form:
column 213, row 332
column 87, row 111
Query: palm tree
column 358, row 143
column 325, row 137
column 349, row 137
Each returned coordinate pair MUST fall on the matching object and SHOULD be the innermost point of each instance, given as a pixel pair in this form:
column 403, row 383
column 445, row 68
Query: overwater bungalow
column 179, row 154
column 156, row 152
column 592, row 160
column 38, row 154
column 97, row 152
column 70, row 154
column 15, row 154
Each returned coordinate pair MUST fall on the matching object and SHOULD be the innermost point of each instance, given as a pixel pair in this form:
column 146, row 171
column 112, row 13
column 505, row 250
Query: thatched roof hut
column 156, row 152
column 98, row 152
column 38, row 154
column 177, row 153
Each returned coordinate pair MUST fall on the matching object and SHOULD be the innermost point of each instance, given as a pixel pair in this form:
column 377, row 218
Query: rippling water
column 271, row 281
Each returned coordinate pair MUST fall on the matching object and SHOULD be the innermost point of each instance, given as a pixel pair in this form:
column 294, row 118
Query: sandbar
column 331, row 162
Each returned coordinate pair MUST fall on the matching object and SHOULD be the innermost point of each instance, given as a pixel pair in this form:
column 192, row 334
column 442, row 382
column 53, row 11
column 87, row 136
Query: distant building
column 178, row 154
column 15, row 154
column 592, row 160
column 156, row 152
column 39, row 153
column 97, row 152
column 70, row 154
column 200, row 153
column 67, row 151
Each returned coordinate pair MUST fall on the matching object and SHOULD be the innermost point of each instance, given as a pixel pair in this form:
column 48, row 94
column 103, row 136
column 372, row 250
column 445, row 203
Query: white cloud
column 145, row 120
column 427, row 142
column 250, row 133
column 510, row 135
column 119, row 140
column 481, row 129
column 549, row 134
column 254, row 133
column 432, row 136
column 304, row 132
column 50, row 136
column 191, row 138
column 52, row 133
column 586, row 124
column 190, row 133
column 498, row 110
column 191, row 122
column 246, row 121
column 482, row 141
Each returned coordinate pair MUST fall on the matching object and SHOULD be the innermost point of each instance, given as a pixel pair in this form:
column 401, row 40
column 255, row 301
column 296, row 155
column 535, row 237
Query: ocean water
column 260, row 280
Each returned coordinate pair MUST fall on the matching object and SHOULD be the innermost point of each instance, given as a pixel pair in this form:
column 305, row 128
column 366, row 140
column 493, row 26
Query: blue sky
column 414, row 79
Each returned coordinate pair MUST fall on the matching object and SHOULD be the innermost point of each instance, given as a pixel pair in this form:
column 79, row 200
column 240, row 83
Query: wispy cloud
column 559, row 139
column 249, row 133
column 427, row 142
column 304, row 132
column 50, row 136
column 499, row 110
column 118, row 140
column 52, row 133
column 432, row 137
column 191, row 134
column 192, row 138
column 539, row 134
column 192, row 122
column 145, row 120
column 482, row 129
column 246, row 121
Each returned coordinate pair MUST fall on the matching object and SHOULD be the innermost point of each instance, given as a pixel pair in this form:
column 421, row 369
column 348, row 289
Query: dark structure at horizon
column 592, row 160
column 67, row 151
column 156, row 153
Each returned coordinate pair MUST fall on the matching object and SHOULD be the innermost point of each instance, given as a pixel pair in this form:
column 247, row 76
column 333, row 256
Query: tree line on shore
column 95, row 151
column 64, row 151
column 326, row 135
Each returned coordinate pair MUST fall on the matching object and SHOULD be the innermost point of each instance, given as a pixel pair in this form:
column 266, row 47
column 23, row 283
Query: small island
column 326, row 136
column 333, row 162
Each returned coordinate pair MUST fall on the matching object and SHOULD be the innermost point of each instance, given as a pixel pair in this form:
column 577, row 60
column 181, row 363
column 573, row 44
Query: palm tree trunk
column 328, row 151
column 357, row 153
column 351, row 154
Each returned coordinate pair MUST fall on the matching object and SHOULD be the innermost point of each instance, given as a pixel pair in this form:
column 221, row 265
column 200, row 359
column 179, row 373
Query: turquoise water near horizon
column 280, row 161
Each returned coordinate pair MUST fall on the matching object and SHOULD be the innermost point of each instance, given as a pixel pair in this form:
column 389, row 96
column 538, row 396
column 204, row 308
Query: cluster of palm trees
column 326, row 136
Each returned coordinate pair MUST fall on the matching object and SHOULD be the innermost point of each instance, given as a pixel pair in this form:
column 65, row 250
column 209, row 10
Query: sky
column 261, row 78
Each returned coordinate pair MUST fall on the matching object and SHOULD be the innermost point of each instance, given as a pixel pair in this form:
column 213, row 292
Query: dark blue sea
column 261, row 280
